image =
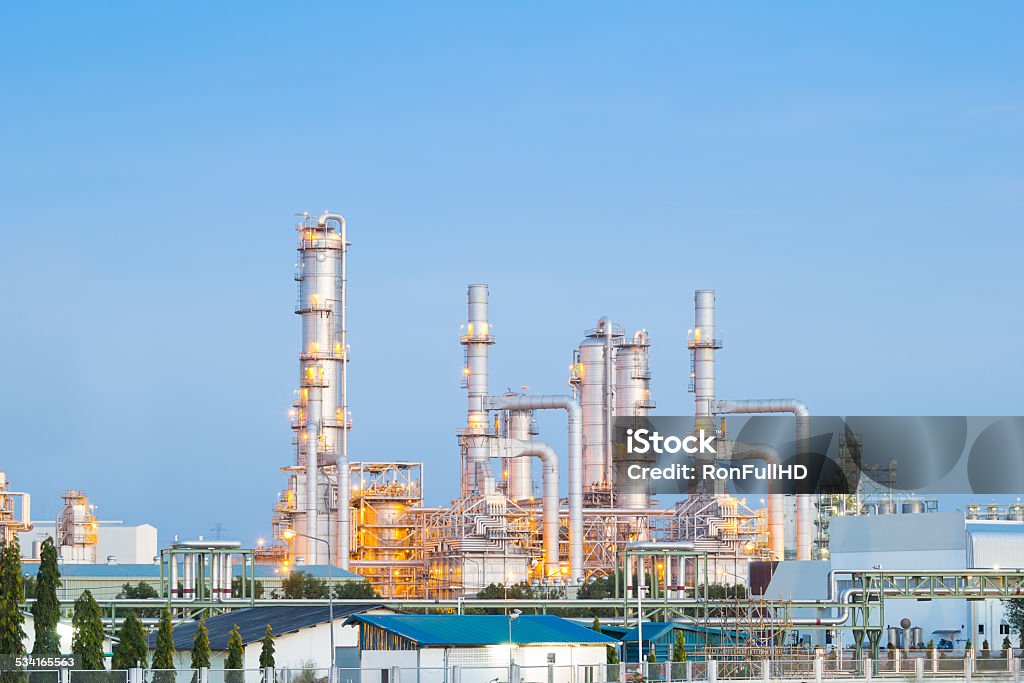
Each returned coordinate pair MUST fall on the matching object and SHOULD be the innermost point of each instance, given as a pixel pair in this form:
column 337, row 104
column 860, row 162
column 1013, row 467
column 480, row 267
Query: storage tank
column 992, row 511
column 913, row 506
column 886, row 507
column 916, row 637
column 895, row 637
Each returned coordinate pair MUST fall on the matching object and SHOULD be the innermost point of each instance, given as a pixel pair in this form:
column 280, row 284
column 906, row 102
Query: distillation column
column 321, row 417
column 519, row 470
column 633, row 396
column 593, row 374
column 478, row 479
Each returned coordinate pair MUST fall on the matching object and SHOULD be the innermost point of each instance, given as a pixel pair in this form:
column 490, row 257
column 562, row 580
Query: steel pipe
column 575, row 458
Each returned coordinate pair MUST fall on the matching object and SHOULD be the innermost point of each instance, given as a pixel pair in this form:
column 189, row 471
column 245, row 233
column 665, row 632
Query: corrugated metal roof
column 482, row 629
column 987, row 549
column 142, row 571
column 252, row 623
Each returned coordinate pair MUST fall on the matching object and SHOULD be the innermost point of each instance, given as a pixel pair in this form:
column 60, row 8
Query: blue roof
column 431, row 630
column 252, row 623
column 145, row 571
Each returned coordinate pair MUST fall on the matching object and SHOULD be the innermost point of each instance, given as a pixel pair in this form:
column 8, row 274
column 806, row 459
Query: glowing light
column 288, row 534
column 696, row 335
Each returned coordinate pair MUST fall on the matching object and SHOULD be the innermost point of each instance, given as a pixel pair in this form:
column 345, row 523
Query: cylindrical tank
column 895, row 637
column 916, row 637
column 992, row 511
column 913, row 506
column 973, row 511
column 886, row 507
column 591, row 381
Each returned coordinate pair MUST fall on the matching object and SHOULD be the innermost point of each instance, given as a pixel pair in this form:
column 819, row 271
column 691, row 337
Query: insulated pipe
column 575, row 476
column 479, row 479
column 344, row 475
column 519, row 481
column 312, row 437
column 549, row 495
column 804, row 521
column 775, row 517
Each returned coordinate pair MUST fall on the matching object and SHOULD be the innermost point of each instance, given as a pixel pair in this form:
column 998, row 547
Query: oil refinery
column 553, row 514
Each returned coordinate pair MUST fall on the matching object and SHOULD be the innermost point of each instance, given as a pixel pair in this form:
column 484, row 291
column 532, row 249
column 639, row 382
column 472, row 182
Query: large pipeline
column 575, row 457
column 804, row 520
column 549, row 495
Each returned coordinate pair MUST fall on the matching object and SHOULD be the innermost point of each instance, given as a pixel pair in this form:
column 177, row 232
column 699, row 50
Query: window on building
column 1004, row 629
column 981, row 629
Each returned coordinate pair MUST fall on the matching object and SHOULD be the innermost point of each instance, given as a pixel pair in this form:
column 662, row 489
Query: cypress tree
column 236, row 657
column 133, row 648
column 12, row 594
column 163, row 656
column 267, row 651
column 200, row 650
column 46, row 609
column 87, row 641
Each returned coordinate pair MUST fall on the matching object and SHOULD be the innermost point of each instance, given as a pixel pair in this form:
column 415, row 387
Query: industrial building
column 302, row 636
column 988, row 537
column 484, row 647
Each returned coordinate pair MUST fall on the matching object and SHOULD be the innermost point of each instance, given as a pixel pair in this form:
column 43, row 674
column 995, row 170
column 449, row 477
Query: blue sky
column 848, row 178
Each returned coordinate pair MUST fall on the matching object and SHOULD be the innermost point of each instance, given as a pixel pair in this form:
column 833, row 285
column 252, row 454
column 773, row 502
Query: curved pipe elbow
column 337, row 217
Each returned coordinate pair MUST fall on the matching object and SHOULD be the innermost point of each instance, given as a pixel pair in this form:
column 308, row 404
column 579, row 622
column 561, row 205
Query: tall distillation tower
column 317, row 501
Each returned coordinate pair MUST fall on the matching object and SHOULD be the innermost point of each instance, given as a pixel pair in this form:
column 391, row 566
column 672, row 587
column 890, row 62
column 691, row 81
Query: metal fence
column 913, row 667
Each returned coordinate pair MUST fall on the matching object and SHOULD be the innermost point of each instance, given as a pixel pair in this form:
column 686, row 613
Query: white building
column 302, row 636
column 935, row 540
column 426, row 647
column 125, row 544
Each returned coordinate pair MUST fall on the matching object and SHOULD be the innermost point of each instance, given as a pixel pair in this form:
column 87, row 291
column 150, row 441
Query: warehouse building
column 302, row 636
column 426, row 648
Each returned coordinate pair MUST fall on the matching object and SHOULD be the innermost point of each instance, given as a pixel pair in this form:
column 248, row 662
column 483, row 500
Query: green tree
column 967, row 649
column 140, row 591
column 87, row 641
column 236, row 588
column 12, row 594
column 300, row 585
column 1014, row 615
column 1007, row 645
column 200, row 650
column 985, row 651
column 236, row 657
column 596, row 626
column 612, row 655
column 46, row 608
column 133, row 646
column 931, row 645
column 652, row 657
column 267, row 650
column 679, row 649
column 163, row 656
column 354, row 590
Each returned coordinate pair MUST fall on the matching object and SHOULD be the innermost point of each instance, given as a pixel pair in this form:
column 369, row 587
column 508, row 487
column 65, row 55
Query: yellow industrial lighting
column 288, row 534
column 696, row 334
